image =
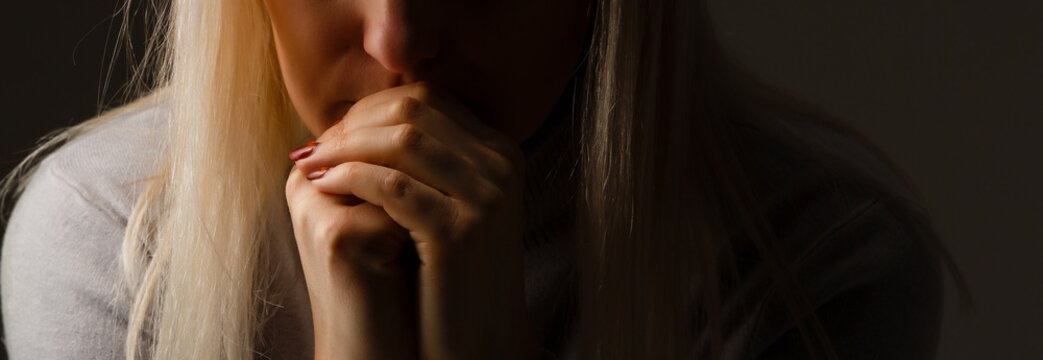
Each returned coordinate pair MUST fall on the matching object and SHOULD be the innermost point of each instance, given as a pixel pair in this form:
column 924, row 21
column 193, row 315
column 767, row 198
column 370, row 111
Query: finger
column 404, row 147
column 431, row 95
column 402, row 110
column 351, row 228
column 495, row 145
column 423, row 210
column 406, row 103
column 492, row 159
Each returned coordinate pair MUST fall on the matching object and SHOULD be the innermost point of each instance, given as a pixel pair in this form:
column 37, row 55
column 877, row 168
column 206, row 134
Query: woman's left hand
column 456, row 185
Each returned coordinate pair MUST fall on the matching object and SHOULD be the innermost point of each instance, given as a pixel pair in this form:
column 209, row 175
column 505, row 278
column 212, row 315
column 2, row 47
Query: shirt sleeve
column 876, row 286
column 59, row 271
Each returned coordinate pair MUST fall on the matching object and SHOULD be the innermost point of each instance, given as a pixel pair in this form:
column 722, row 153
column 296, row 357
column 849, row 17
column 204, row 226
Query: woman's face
column 507, row 60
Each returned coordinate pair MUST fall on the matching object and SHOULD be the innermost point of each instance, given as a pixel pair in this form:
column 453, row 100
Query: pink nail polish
column 317, row 173
column 303, row 151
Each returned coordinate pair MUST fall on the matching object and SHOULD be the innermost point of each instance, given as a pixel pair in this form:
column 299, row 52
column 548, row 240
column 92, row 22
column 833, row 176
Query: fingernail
column 303, row 151
column 317, row 173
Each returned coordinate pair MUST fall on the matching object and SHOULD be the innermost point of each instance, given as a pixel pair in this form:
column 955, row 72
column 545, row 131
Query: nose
column 400, row 34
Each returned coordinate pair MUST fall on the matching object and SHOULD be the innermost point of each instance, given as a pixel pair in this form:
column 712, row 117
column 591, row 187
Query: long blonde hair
column 655, row 139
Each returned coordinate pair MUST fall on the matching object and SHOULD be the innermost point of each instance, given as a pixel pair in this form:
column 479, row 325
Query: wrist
column 372, row 317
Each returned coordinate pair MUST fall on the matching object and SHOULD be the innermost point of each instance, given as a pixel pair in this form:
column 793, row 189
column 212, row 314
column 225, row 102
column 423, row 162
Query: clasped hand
column 408, row 218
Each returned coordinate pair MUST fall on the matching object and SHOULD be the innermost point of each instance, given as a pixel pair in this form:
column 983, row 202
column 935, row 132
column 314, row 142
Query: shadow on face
column 508, row 60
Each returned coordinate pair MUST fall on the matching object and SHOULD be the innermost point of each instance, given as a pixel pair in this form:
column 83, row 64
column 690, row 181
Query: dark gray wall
column 951, row 90
column 51, row 56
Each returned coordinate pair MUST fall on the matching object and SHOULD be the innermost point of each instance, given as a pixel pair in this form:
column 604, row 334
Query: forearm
column 372, row 319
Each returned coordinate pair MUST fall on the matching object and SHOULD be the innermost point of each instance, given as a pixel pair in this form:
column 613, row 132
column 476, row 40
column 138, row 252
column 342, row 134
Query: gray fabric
column 857, row 252
column 61, row 247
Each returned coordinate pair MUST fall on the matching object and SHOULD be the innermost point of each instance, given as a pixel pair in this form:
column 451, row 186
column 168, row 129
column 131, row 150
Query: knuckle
column 489, row 196
column 409, row 137
column 465, row 219
column 502, row 168
column 327, row 234
column 352, row 235
column 345, row 235
column 406, row 108
column 423, row 90
column 397, row 184
column 347, row 171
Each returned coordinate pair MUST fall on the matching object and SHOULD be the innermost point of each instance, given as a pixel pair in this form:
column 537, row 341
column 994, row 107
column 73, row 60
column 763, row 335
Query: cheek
column 509, row 59
column 308, row 40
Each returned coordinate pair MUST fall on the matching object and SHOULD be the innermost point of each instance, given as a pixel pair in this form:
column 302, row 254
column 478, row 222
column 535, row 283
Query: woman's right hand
column 359, row 283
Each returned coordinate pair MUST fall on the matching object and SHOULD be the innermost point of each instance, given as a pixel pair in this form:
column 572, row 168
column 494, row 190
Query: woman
column 509, row 179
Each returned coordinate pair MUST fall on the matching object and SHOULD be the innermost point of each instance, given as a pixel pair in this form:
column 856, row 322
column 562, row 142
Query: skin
column 407, row 210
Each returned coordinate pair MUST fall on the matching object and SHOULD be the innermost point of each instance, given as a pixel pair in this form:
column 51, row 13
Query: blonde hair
column 196, row 248
column 655, row 138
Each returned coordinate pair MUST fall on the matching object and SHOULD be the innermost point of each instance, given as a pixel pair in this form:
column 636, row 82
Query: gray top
column 858, row 251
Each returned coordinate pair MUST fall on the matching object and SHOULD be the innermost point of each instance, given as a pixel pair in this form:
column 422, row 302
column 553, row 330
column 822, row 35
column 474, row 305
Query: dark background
column 950, row 90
